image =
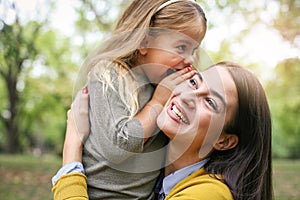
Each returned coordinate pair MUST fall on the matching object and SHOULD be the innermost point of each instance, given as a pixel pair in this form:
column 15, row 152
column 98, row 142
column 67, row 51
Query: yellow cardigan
column 198, row 186
column 71, row 186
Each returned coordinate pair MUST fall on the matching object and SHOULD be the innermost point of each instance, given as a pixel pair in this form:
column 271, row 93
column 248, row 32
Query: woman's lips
column 176, row 114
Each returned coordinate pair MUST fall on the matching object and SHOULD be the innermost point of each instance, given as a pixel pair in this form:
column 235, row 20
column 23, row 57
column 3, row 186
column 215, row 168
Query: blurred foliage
column 284, row 97
column 95, row 21
column 288, row 20
column 46, row 63
column 36, row 78
column 17, row 46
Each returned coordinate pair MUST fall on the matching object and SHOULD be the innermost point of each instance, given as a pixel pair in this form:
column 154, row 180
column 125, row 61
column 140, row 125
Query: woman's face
column 198, row 109
column 169, row 49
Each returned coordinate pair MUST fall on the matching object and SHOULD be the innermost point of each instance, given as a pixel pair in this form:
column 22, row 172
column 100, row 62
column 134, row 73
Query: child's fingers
column 183, row 76
column 186, row 71
column 177, row 78
column 173, row 73
column 188, row 75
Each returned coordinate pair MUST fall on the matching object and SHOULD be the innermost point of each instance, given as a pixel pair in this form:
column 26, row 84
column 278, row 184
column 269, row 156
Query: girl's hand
column 164, row 89
column 77, row 128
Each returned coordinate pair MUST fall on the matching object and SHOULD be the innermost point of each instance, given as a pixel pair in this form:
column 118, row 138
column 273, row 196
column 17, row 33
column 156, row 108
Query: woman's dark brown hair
column 247, row 168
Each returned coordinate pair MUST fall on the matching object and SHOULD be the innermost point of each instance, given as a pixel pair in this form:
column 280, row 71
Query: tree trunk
column 12, row 132
column 13, row 144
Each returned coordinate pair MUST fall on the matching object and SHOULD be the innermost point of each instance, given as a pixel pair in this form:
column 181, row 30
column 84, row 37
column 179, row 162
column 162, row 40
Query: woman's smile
column 177, row 114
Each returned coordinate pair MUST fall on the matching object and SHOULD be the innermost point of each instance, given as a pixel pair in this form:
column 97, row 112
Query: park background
column 43, row 44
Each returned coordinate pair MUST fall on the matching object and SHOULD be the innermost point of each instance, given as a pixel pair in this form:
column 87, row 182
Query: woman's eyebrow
column 200, row 76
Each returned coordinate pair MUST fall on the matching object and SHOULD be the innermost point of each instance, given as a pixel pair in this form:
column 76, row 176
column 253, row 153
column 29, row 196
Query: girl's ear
column 143, row 48
column 226, row 141
column 143, row 51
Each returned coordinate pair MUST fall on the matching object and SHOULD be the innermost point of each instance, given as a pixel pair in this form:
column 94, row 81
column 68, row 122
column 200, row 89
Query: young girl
column 219, row 126
column 123, row 154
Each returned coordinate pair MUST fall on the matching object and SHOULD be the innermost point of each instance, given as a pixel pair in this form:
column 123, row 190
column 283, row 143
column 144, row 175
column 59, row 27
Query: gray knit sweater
column 117, row 162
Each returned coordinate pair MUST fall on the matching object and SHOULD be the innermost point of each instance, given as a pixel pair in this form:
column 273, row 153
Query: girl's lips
column 177, row 114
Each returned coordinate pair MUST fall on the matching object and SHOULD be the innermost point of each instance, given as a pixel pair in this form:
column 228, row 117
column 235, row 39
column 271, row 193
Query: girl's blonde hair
column 121, row 49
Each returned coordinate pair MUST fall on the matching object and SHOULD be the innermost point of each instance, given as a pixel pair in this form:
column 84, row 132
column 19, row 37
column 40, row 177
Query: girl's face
column 198, row 109
column 169, row 49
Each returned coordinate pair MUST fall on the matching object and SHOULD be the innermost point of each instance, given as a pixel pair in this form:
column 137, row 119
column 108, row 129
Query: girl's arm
column 115, row 136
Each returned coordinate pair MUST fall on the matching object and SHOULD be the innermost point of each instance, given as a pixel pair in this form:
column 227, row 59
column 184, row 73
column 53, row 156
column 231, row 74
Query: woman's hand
column 77, row 128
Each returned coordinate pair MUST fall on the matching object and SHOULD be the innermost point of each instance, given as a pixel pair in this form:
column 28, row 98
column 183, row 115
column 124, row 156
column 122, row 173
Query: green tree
column 16, row 47
column 36, row 77
column 287, row 21
column 95, row 21
column 284, row 96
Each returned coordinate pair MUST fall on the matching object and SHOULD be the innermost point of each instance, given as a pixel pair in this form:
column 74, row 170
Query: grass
column 27, row 177
column 286, row 179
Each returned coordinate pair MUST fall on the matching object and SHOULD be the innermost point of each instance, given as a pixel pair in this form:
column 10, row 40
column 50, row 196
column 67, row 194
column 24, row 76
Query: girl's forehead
column 167, row 36
column 196, row 33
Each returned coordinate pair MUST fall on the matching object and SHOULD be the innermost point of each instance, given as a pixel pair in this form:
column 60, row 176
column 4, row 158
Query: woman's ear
column 226, row 141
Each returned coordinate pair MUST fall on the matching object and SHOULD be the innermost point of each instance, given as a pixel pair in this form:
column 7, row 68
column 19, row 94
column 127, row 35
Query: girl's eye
column 182, row 48
column 193, row 82
column 212, row 103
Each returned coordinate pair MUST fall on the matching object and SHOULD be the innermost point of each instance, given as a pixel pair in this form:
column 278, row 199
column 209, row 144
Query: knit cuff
column 71, row 186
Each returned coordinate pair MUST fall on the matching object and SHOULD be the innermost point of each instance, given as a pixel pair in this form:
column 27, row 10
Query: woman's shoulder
column 201, row 185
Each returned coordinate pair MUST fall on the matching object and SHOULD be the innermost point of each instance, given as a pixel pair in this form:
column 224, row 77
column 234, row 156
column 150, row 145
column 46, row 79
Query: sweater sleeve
column 71, row 186
column 114, row 134
column 67, row 169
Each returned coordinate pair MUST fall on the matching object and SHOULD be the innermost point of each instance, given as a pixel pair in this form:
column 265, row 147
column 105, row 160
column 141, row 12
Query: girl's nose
column 189, row 60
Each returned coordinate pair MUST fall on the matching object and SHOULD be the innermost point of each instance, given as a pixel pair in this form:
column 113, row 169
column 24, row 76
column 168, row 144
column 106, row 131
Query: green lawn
column 286, row 178
column 27, row 177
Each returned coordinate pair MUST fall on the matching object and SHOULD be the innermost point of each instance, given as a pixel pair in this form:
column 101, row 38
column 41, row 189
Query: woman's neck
column 178, row 158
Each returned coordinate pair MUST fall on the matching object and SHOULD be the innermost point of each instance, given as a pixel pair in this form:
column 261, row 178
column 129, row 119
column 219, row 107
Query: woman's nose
column 188, row 98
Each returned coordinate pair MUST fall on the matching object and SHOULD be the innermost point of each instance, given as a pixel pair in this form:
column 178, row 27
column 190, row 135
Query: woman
column 219, row 127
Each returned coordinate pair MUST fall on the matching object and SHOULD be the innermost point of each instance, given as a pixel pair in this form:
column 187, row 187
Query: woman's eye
column 212, row 103
column 193, row 82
